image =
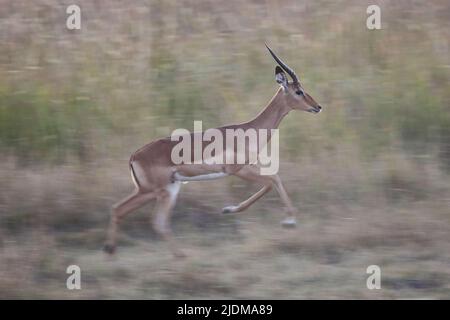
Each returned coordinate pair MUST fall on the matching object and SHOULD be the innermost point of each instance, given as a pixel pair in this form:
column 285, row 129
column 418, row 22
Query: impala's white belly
column 202, row 177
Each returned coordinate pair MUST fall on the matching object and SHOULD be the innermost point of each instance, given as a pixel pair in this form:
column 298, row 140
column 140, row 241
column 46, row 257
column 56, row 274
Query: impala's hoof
column 289, row 222
column 229, row 209
column 109, row 248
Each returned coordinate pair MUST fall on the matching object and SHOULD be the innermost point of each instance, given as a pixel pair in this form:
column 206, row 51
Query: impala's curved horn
column 283, row 65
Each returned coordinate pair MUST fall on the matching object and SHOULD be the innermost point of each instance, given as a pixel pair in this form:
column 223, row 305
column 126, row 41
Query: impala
column 157, row 176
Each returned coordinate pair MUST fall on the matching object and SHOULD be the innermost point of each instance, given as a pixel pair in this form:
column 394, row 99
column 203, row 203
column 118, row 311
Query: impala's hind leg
column 161, row 221
column 119, row 211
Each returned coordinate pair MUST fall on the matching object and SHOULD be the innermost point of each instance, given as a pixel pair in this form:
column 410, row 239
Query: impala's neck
column 271, row 116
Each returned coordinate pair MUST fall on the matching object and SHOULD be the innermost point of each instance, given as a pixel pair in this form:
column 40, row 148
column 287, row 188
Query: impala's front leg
column 247, row 203
column 252, row 173
column 290, row 220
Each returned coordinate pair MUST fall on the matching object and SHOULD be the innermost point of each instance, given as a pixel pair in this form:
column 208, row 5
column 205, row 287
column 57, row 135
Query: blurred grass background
column 370, row 175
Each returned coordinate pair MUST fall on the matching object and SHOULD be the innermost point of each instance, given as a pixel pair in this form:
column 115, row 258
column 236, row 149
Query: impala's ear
column 280, row 77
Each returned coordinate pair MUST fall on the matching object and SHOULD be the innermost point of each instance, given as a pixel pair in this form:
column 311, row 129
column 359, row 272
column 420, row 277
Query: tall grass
column 138, row 71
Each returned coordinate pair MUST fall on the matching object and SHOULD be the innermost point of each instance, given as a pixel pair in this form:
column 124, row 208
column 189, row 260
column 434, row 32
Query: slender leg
column 164, row 204
column 120, row 210
column 252, row 173
column 247, row 203
column 289, row 221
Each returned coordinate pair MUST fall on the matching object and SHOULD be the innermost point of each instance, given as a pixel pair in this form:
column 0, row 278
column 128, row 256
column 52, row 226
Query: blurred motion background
column 369, row 175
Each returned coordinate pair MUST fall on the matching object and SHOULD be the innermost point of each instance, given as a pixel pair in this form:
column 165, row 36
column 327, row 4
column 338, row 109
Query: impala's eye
column 299, row 92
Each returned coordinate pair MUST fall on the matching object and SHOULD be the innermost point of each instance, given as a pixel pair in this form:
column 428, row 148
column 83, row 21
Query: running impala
column 157, row 176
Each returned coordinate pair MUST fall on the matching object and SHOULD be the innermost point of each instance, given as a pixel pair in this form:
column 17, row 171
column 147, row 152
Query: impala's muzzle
column 315, row 109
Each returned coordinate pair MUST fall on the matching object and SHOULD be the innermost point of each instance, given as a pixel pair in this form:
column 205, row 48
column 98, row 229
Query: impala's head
column 295, row 95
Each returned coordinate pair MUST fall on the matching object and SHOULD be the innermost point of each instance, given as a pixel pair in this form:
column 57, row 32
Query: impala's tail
column 133, row 174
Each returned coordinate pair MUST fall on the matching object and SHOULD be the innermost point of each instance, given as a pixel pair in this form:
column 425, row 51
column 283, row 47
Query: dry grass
column 340, row 233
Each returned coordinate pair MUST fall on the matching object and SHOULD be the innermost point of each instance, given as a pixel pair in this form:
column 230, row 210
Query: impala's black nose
column 319, row 107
